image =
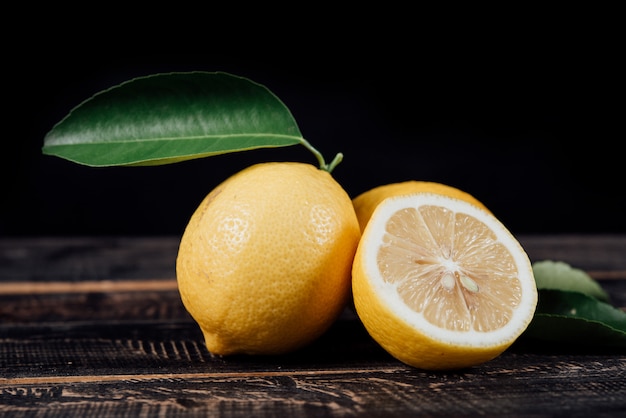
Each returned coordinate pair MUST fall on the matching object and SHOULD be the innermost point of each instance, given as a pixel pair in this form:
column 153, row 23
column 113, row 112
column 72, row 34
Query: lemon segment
column 440, row 283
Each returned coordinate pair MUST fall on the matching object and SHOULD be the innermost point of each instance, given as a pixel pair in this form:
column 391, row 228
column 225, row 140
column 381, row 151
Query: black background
column 531, row 126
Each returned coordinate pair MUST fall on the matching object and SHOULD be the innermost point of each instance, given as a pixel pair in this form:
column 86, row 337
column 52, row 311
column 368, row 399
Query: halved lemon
column 441, row 283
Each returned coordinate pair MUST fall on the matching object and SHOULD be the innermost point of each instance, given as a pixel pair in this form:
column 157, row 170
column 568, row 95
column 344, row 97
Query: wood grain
column 97, row 328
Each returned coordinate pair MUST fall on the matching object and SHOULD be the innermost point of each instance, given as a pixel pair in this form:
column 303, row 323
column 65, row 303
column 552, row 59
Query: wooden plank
column 164, row 305
column 82, row 348
column 384, row 394
column 100, row 286
column 603, row 256
column 96, row 327
column 119, row 258
column 519, row 385
column 122, row 258
column 45, row 259
column 155, row 367
column 148, row 305
column 96, row 306
column 100, row 274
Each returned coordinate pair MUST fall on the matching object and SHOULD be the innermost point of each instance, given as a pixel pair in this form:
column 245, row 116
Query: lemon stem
column 320, row 158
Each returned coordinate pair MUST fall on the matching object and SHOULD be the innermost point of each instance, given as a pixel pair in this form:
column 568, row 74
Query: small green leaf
column 561, row 276
column 576, row 318
column 172, row 117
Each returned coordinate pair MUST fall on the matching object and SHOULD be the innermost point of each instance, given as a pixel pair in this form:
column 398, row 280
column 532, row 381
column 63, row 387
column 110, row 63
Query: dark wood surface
column 95, row 327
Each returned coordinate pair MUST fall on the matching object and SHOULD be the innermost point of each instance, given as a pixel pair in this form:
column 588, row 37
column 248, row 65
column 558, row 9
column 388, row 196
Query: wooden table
column 95, row 327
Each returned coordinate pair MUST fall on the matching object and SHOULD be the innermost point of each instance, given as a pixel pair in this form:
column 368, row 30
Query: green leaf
column 172, row 117
column 561, row 276
column 576, row 318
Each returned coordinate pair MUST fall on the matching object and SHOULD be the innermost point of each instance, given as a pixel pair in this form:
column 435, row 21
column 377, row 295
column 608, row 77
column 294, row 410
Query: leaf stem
column 320, row 158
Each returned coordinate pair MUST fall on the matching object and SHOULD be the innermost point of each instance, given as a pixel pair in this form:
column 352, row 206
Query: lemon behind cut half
column 440, row 283
column 366, row 202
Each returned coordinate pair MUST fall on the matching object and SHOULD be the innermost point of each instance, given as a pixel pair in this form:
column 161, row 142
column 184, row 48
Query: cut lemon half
column 441, row 283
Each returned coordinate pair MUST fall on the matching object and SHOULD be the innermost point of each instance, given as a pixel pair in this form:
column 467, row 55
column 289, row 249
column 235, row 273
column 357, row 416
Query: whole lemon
column 264, row 264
